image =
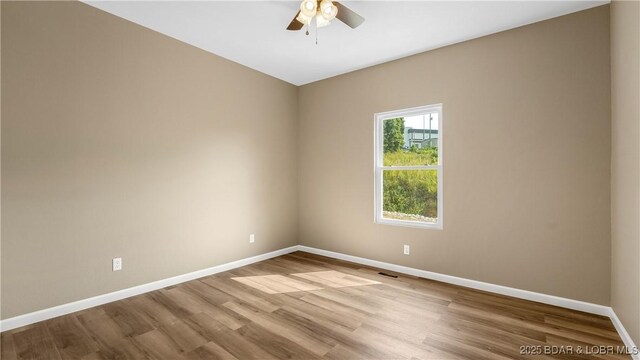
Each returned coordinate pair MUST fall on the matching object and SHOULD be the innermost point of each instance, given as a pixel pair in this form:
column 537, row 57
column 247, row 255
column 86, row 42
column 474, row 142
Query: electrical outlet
column 252, row 238
column 407, row 249
column 116, row 264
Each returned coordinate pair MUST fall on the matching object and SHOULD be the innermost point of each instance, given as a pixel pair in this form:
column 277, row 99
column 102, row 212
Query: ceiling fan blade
column 348, row 16
column 295, row 24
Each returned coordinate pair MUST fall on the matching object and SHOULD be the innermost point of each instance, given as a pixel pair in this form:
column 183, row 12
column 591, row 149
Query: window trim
column 378, row 165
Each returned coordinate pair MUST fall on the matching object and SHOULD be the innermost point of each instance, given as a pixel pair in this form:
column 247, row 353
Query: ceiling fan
column 323, row 12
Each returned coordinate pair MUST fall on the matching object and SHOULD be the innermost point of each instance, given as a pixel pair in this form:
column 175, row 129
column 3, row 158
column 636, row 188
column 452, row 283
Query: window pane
column 411, row 140
column 410, row 195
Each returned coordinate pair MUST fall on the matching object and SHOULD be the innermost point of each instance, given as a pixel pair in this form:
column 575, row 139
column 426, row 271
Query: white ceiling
column 253, row 33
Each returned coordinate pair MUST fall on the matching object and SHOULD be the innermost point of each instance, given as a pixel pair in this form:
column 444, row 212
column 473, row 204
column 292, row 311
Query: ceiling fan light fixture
column 304, row 18
column 321, row 21
column 308, row 8
column 328, row 10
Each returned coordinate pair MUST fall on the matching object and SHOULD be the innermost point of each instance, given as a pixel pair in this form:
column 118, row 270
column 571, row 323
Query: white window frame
column 379, row 167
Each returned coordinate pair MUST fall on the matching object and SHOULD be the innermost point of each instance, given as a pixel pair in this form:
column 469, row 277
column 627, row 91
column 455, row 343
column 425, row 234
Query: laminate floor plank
column 243, row 293
column 205, row 292
column 7, row 348
column 130, row 321
column 71, row 339
column 572, row 315
column 305, row 306
column 210, row 351
column 581, row 326
column 321, row 316
column 36, row 343
column 534, row 325
column 161, row 298
column 514, row 335
column 186, row 301
column 278, row 345
column 204, row 324
column 483, row 338
column 392, row 342
column 335, row 279
column 280, row 325
column 186, row 336
column 346, row 310
column 158, row 345
column 226, row 317
column 294, row 265
column 154, row 311
column 240, row 347
column 275, row 284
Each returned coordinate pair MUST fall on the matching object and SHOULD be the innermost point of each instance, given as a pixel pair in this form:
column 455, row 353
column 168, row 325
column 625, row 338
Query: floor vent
column 389, row 275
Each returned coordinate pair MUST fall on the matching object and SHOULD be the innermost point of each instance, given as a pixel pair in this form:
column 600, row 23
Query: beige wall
column 526, row 158
column 625, row 164
column 119, row 141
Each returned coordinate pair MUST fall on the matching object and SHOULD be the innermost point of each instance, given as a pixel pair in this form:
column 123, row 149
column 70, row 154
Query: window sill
column 405, row 223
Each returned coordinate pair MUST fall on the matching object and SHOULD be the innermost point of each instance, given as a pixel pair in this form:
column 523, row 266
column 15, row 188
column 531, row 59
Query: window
column 408, row 167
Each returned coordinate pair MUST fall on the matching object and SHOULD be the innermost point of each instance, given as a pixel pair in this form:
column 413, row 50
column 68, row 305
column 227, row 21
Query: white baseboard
column 626, row 338
column 479, row 285
column 36, row 316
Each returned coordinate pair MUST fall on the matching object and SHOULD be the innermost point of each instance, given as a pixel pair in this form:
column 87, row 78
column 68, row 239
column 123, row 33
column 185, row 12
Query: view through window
column 409, row 167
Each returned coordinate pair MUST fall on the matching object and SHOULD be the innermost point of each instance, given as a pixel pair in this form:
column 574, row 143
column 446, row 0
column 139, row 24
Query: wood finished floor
column 217, row 317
